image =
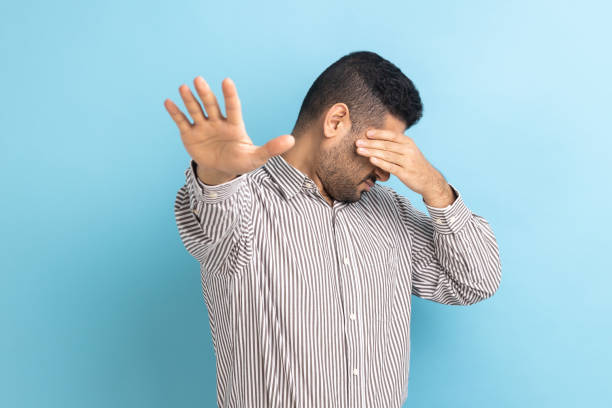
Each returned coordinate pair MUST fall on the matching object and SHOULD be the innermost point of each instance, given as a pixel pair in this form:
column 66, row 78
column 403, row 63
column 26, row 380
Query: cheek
column 363, row 160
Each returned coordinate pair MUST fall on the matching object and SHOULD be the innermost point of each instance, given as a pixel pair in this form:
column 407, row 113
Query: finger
column 208, row 98
column 385, row 134
column 385, row 165
column 392, row 146
column 192, row 105
column 383, row 154
column 182, row 122
column 232, row 102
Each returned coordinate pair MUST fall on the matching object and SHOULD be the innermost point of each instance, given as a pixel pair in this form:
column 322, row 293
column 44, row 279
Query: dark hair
column 369, row 85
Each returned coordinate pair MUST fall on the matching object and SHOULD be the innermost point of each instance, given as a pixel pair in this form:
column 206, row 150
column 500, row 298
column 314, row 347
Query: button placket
column 350, row 281
column 352, row 330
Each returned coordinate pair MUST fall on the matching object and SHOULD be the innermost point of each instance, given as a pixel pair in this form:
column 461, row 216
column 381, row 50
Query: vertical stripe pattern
column 309, row 304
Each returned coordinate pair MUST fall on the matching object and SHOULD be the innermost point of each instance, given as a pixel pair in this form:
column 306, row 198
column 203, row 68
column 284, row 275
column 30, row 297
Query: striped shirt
column 309, row 304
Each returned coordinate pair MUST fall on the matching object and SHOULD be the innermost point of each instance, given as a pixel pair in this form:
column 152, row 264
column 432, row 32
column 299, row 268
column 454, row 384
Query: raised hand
column 220, row 146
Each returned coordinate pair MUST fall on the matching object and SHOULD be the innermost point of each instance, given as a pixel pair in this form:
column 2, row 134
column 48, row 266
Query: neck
column 303, row 155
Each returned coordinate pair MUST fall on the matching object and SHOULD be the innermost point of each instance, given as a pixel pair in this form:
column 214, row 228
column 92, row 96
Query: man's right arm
column 213, row 220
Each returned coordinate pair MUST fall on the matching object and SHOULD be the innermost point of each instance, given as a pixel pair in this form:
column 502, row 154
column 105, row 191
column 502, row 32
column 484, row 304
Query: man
column 307, row 266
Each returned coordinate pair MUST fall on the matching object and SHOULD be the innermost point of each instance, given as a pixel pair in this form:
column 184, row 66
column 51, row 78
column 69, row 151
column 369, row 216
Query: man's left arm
column 454, row 258
column 454, row 255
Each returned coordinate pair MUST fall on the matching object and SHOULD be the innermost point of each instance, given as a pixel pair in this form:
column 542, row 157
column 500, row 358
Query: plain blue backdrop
column 100, row 303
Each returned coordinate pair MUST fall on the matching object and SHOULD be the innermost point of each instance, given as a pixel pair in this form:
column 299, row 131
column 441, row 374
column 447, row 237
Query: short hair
column 369, row 85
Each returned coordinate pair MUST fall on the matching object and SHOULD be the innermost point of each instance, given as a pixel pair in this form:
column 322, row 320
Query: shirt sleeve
column 214, row 221
column 454, row 255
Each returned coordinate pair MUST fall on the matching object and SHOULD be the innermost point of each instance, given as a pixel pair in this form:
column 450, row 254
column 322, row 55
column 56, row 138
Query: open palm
column 216, row 143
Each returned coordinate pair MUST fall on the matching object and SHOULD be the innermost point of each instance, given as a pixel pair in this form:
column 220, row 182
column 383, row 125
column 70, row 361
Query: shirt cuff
column 452, row 218
column 210, row 194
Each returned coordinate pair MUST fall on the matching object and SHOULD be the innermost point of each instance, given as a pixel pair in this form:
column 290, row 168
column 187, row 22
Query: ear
column 336, row 121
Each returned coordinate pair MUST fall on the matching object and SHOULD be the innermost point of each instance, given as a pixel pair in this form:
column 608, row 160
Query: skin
column 327, row 152
column 398, row 154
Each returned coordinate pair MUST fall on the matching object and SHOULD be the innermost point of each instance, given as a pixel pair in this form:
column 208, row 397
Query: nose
column 381, row 174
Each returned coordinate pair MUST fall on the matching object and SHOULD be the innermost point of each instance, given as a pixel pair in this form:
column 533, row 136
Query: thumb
column 275, row 147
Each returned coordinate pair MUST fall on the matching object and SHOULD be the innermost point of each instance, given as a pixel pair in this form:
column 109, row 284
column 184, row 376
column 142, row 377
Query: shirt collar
column 289, row 179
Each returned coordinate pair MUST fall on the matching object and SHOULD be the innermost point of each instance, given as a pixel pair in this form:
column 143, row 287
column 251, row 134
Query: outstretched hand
column 217, row 143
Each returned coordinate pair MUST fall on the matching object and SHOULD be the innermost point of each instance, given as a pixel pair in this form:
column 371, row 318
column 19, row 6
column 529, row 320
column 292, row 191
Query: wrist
column 211, row 177
column 441, row 196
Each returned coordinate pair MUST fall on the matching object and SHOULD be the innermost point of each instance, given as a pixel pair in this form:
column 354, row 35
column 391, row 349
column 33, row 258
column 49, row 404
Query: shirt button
column 195, row 211
column 355, row 371
column 352, row 316
column 452, row 218
column 439, row 221
column 346, row 260
column 212, row 194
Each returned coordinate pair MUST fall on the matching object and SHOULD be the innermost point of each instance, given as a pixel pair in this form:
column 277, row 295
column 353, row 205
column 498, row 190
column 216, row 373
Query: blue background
column 101, row 305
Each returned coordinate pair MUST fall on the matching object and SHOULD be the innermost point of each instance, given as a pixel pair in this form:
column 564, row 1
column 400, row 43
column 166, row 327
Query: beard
column 337, row 169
